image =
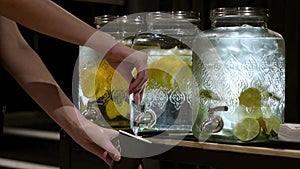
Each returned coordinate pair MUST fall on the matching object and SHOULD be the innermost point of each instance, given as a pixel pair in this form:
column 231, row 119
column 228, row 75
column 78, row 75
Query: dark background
column 60, row 56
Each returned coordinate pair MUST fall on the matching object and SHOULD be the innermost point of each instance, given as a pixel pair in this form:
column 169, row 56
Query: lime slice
column 272, row 125
column 262, row 124
column 247, row 130
column 254, row 113
column 208, row 94
column 251, row 97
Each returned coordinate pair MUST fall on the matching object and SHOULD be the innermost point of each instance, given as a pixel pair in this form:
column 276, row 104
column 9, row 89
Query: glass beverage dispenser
column 166, row 104
column 98, row 100
column 241, row 77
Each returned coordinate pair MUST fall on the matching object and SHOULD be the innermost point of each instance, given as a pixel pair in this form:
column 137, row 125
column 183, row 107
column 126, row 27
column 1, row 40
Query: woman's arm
column 46, row 17
column 21, row 61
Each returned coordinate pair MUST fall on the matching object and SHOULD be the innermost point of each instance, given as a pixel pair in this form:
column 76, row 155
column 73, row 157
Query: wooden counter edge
column 290, row 153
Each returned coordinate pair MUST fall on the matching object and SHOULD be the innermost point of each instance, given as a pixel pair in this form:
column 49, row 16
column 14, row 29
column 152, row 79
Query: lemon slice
column 123, row 109
column 247, row 130
column 87, row 82
column 168, row 72
column 111, row 110
column 272, row 125
column 182, row 78
column 103, row 79
column 96, row 81
column 251, row 97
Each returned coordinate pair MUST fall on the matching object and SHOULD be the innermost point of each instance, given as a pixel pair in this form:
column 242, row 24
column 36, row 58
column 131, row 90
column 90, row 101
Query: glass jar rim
column 239, row 11
column 181, row 15
column 105, row 18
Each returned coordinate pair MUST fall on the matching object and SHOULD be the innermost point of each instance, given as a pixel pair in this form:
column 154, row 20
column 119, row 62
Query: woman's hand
column 124, row 60
column 96, row 139
column 99, row 141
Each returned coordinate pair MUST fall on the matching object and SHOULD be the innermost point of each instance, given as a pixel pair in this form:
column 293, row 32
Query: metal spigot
column 145, row 117
column 214, row 123
column 92, row 111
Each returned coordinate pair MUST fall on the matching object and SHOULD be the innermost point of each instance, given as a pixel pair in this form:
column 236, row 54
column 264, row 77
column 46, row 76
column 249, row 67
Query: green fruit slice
column 247, row 129
column 272, row 125
column 251, row 97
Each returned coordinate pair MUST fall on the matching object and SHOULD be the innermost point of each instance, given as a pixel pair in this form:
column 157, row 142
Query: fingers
column 103, row 138
column 112, row 149
column 137, row 96
column 139, row 59
column 137, row 86
column 139, row 82
column 98, row 151
column 124, row 59
column 107, row 152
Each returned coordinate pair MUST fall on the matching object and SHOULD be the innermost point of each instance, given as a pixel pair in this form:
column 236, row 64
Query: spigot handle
column 219, row 108
column 214, row 123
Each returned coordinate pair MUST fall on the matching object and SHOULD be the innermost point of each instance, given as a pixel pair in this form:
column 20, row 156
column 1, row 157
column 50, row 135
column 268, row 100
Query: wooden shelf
column 280, row 152
column 227, row 156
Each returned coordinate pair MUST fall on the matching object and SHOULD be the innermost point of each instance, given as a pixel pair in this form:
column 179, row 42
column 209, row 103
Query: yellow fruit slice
column 247, row 130
column 182, row 78
column 95, row 82
column 106, row 80
column 111, row 110
column 87, row 82
column 123, row 109
column 163, row 72
column 251, row 97
column 103, row 78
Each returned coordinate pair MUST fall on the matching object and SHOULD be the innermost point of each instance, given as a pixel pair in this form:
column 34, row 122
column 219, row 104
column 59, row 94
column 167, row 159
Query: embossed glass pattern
column 245, row 72
column 168, row 93
column 100, row 99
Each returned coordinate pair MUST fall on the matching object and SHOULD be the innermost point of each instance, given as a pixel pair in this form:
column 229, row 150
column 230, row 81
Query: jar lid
column 137, row 20
column 178, row 17
column 239, row 11
column 185, row 14
column 104, row 19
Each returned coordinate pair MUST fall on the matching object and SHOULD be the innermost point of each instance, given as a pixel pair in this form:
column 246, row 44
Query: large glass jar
column 166, row 103
column 98, row 99
column 240, row 70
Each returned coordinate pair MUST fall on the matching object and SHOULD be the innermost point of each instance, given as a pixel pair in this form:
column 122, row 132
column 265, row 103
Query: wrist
column 70, row 119
column 101, row 42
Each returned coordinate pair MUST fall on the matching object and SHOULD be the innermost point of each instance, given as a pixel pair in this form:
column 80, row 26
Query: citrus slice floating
column 251, row 97
column 247, row 130
column 123, row 108
column 272, row 124
column 168, row 72
column 87, row 79
column 111, row 110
